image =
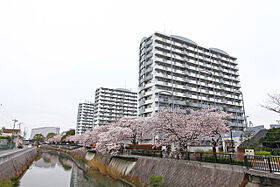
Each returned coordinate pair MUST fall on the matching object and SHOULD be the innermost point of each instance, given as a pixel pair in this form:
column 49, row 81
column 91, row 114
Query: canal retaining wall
column 14, row 163
column 187, row 173
column 137, row 170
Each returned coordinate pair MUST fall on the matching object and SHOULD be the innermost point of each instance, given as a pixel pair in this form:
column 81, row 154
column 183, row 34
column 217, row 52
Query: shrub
column 157, row 181
column 262, row 153
column 275, row 152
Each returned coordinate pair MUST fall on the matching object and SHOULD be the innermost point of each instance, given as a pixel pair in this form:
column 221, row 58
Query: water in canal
column 54, row 169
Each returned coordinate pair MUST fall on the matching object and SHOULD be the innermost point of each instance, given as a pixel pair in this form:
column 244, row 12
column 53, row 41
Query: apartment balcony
column 148, row 93
column 149, row 62
column 140, row 88
column 148, row 70
column 141, row 95
column 197, row 105
column 148, row 77
column 148, row 85
column 141, row 103
column 148, row 49
column 142, row 110
column 141, row 80
column 149, row 55
column 149, row 42
column 240, row 125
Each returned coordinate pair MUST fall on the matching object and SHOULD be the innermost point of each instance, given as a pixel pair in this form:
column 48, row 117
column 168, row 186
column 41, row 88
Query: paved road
column 10, row 151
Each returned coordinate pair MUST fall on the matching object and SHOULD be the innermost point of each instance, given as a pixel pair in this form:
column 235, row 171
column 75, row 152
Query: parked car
column 20, row 146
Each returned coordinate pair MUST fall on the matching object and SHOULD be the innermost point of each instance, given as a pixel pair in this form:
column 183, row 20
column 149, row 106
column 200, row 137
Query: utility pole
column 15, row 121
column 19, row 125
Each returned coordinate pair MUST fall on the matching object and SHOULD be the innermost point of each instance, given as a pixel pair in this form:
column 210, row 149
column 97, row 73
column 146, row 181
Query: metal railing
column 257, row 162
column 264, row 163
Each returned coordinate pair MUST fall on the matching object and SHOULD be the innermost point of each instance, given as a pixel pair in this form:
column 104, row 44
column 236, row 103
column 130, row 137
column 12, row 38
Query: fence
column 264, row 163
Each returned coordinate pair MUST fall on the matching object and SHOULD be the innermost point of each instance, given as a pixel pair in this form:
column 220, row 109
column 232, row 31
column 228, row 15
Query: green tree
column 272, row 138
column 50, row 135
column 38, row 138
column 71, row 132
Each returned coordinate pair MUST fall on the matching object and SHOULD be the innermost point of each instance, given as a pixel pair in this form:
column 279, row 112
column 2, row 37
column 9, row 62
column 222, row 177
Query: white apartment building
column 111, row 104
column 85, row 117
column 176, row 72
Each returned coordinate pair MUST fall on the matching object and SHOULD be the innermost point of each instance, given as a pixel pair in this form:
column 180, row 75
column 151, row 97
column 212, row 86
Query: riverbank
column 15, row 164
column 64, row 171
column 138, row 170
column 83, row 159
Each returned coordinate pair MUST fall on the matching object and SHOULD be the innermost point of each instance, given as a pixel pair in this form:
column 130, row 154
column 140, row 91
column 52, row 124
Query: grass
column 5, row 183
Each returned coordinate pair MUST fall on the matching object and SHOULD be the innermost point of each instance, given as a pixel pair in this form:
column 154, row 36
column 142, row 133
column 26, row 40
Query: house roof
column 10, row 130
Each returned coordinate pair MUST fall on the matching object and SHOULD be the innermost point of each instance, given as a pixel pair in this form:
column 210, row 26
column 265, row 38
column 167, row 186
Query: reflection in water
column 56, row 169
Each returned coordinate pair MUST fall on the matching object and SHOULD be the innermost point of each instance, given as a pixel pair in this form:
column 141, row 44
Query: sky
column 55, row 53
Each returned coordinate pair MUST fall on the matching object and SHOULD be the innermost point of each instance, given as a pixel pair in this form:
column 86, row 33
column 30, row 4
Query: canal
column 57, row 169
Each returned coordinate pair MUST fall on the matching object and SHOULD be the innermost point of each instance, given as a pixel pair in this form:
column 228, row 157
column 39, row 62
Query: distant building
column 44, row 131
column 111, row 104
column 274, row 126
column 256, row 129
column 10, row 132
column 84, row 117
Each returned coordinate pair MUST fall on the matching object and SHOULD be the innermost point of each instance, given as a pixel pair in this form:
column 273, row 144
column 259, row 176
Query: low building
column 274, row 126
column 14, row 134
column 44, row 131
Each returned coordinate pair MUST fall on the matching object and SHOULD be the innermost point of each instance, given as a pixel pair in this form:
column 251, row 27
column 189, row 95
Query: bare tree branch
column 272, row 103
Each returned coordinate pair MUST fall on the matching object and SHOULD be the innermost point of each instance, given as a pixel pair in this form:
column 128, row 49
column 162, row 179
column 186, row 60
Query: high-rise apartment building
column 85, row 117
column 176, row 72
column 111, row 104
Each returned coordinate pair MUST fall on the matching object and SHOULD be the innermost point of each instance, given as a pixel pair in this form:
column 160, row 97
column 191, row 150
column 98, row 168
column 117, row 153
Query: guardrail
column 8, row 156
column 257, row 162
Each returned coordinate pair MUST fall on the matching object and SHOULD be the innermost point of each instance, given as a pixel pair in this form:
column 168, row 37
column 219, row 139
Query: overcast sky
column 55, row 53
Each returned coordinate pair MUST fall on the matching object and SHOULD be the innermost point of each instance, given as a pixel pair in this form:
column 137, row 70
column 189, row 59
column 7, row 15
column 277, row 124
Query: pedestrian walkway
column 8, row 151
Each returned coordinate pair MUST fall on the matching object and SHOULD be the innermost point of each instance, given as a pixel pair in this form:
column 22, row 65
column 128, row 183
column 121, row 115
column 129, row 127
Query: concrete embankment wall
column 187, row 173
column 14, row 165
column 176, row 172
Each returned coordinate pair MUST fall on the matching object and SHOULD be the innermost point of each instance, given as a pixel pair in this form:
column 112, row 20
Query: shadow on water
column 55, row 169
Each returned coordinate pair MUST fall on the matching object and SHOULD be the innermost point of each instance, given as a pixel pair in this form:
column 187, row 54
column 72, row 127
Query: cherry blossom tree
column 273, row 103
column 73, row 138
column 139, row 127
column 181, row 128
column 55, row 139
column 212, row 123
column 112, row 140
